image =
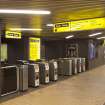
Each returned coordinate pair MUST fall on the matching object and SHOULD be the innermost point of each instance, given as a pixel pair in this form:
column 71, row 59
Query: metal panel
column 23, row 77
column 9, row 80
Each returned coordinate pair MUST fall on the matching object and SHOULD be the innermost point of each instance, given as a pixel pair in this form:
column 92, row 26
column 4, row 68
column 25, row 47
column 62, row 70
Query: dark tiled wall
column 17, row 49
column 57, row 49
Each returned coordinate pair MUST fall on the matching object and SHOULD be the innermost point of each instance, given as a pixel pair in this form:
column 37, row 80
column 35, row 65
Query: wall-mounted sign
column 34, row 49
column 13, row 35
column 89, row 24
column 62, row 27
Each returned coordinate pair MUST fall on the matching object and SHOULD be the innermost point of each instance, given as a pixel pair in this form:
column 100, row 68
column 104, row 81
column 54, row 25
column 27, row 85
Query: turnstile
column 23, row 74
column 33, row 75
column 67, row 67
column 83, row 66
column 53, row 70
column 10, row 80
column 44, row 72
column 60, row 67
column 74, row 65
column 79, row 65
column 23, row 77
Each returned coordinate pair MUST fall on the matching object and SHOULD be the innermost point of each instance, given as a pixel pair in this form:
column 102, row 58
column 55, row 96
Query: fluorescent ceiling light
column 95, row 34
column 14, row 11
column 50, row 25
column 101, row 38
column 69, row 36
column 25, row 29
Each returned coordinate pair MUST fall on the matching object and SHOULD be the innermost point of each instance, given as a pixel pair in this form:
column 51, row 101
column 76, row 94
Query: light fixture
column 25, row 29
column 70, row 36
column 95, row 34
column 50, row 25
column 17, row 11
column 101, row 37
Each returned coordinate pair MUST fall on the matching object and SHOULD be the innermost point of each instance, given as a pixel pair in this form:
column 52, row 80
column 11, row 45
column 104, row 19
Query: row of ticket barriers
column 32, row 74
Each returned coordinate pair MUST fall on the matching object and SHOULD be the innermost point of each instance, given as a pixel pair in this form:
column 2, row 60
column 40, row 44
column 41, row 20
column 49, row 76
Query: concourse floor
column 87, row 88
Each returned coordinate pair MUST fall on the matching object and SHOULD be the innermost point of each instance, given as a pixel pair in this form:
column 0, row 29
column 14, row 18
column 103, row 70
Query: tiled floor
column 84, row 89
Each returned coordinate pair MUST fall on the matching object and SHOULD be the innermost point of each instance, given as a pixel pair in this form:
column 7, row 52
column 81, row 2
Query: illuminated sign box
column 34, row 49
column 13, row 35
column 89, row 24
column 62, row 27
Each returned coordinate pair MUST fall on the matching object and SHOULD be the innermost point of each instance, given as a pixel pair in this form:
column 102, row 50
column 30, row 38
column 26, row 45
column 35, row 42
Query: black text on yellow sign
column 34, row 49
column 13, row 35
column 62, row 27
column 88, row 24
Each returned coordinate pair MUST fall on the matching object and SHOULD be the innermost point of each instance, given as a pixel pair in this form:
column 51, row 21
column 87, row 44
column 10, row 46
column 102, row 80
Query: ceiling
column 62, row 10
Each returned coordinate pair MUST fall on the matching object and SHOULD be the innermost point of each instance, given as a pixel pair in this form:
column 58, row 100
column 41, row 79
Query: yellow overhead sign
column 62, row 27
column 12, row 34
column 34, row 49
column 89, row 24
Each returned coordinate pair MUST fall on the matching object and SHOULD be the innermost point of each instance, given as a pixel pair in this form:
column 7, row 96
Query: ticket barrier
column 79, row 65
column 44, row 72
column 53, row 70
column 33, row 75
column 74, row 65
column 60, row 67
column 67, row 67
column 83, row 66
column 23, row 75
column 9, row 80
